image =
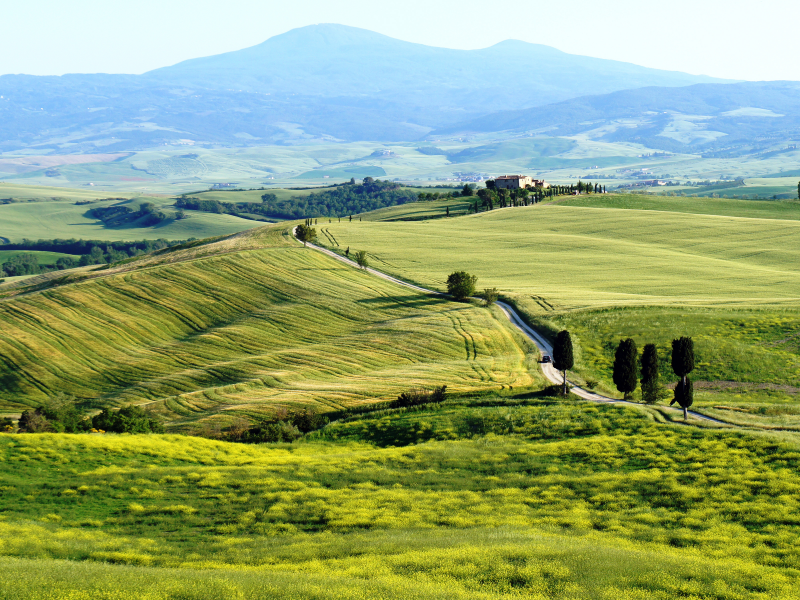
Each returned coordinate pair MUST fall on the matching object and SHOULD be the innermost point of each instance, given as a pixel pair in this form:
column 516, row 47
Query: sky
column 732, row 39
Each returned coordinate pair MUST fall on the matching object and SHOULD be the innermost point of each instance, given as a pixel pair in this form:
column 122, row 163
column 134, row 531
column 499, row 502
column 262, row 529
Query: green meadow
column 234, row 328
column 722, row 271
column 485, row 497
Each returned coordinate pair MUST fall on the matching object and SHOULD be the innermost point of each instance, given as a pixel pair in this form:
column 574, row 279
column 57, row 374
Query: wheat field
column 238, row 326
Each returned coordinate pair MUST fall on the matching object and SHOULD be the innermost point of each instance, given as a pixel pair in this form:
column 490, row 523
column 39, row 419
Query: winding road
column 548, row 370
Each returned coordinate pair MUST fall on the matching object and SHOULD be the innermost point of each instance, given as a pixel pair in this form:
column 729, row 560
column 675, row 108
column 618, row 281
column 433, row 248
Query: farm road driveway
column 541, row 343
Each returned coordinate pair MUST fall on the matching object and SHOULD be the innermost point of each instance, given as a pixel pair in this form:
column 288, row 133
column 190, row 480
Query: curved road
column 544, row 346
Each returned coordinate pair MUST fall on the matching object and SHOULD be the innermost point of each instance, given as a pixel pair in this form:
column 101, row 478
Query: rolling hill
column 718, row 120
column 323, row 81
column 237, row 326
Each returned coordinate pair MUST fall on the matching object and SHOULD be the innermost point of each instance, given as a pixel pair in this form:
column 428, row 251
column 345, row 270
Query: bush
column 461, row 285
column 57, row 414
column 6, row 425
column 490, row 296
column 128, row 419
column 418, row 397
column 282, row 427
column 361, row 259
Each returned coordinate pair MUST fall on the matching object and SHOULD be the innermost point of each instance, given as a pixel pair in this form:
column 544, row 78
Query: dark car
column 546, row 358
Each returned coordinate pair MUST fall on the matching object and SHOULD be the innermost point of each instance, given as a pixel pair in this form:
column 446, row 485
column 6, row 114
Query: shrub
column 282, row 427
column 490, row 296
column 418, row 397
column 128, row 419
column 361, row 259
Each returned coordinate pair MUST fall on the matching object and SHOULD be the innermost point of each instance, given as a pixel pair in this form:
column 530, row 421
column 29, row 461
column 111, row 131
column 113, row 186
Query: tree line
column 629, row 366
column 59, row 414
column 338, row 201
column 92, row 252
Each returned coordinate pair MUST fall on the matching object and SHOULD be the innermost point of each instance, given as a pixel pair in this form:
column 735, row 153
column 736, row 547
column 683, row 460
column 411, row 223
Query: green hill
column 239, row 326
column 607, row 268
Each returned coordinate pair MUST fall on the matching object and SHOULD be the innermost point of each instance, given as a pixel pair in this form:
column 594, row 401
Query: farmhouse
column 516, row 182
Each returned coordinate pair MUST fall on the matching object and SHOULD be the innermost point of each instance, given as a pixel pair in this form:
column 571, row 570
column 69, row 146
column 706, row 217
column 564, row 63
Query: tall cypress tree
column 562, row 355
column 682, row 365
column 649, row 372
column 625, row 368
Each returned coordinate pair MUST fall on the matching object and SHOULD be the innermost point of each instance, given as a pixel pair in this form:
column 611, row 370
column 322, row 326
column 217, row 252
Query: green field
column 614, row 267
column 699, row 206
column 62, row 218
column 240, row 326
column 479, row 498
column 44, row 258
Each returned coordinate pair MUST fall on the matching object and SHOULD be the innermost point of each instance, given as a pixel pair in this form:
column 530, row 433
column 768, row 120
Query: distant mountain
column 321, row 81
column 723, row 120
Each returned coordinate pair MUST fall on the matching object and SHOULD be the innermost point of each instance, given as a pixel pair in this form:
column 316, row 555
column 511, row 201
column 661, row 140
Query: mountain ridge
column 322, row 82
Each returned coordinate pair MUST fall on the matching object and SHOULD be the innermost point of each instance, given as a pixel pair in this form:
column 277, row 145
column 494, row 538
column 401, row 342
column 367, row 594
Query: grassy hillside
column 483, row 498
column 638, row 270
column 239, row 326
column 698, row 206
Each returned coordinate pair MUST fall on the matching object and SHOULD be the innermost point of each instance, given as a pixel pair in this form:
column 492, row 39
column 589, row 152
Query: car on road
column 546, row 358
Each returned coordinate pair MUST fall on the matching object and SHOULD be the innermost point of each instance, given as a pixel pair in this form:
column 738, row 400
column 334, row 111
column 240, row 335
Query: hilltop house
column 518, row 182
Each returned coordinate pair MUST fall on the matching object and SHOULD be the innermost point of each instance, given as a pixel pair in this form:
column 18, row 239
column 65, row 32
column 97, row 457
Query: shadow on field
column 388, row 302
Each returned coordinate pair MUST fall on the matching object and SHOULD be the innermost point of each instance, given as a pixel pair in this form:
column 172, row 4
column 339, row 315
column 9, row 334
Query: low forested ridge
column 340, row 201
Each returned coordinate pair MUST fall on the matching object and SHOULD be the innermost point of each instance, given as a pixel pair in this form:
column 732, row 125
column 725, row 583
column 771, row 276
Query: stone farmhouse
column 518, row 182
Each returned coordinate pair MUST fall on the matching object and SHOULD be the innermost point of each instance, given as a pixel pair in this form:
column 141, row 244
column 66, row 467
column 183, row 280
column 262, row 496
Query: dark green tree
column 649, row 372
column 466, row 190
column 798, row 190
column 461, row 285
column 562, row 356
column 684, row 396
column 447, row 208
column 490, row 185
column 625, row 371
column 682, row 365
column 305, row 234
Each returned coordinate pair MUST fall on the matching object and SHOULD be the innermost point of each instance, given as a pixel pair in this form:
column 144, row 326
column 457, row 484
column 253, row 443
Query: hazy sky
column 736, row 39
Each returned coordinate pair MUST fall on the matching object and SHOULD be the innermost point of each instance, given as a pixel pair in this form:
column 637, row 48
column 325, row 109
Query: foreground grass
column 503, row 497
column 240, row 326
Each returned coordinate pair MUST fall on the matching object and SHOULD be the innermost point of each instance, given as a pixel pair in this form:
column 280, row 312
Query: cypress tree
column 682, row 365
column 562, row 355
column 649, row 373
column 625, row 368
column 798, row 190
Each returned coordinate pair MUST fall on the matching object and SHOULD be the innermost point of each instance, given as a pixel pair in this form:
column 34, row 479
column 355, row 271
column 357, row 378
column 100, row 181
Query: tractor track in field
column 541, row 343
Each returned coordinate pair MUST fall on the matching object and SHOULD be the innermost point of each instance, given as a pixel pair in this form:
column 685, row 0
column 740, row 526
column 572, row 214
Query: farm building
column 516, row 182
